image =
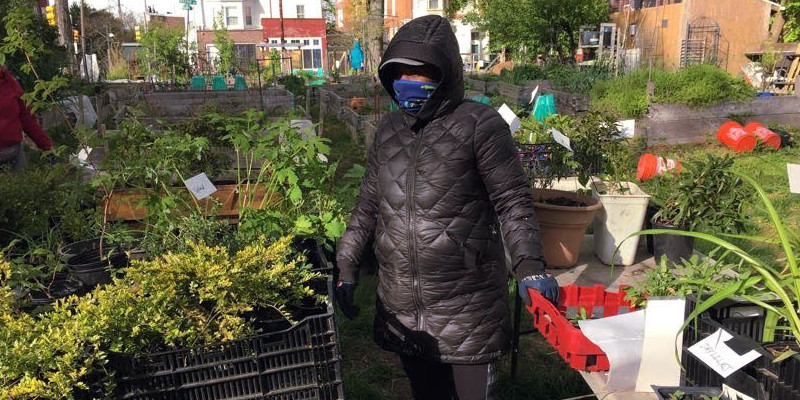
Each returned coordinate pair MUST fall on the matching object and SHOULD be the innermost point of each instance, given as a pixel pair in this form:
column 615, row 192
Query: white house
column 473, row 44
column 255, row 26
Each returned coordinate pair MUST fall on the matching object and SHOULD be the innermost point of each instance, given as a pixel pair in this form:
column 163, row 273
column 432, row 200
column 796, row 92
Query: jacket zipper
column 412, row 231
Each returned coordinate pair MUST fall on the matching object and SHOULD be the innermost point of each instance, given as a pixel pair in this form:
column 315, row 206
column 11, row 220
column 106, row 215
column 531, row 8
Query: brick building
column 255, row 28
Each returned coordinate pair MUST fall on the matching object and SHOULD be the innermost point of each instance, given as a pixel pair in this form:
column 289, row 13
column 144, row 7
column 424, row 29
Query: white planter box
column 621, row 215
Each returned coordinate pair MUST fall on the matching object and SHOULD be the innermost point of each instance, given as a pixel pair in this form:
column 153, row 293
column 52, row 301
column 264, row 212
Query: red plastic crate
column 552, row 322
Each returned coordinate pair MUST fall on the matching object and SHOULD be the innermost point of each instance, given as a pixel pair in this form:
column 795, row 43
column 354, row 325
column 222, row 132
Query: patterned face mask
column 411, row 95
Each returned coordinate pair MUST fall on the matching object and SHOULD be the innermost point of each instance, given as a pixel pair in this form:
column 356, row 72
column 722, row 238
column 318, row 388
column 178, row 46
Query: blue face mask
column 411, row 95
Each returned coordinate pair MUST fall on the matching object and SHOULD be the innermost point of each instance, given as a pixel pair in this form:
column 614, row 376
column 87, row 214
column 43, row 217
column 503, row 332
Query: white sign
column 716, row 354
column 560, row 138
column 533, row 94
column 794, row 177
column 626, row 128
column 200, row 186
column 83, row 155
column 511, row 119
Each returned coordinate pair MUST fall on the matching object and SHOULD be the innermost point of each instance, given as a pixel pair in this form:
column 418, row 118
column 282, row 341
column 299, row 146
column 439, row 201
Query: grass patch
column 370, row 373
column 695, row 86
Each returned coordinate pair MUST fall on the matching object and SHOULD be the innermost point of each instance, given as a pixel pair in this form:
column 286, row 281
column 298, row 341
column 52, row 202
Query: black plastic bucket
column 674, row 247
column 93, row 269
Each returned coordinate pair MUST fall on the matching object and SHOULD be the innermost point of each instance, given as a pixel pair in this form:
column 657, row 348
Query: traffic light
column 50, row 13
column 137, row 33
column 75, row 35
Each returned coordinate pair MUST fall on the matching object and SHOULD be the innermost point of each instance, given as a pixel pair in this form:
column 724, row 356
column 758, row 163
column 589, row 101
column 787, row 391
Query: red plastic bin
column 552, row 322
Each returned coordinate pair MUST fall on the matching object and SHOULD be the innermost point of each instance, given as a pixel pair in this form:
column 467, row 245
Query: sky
column 138, row 6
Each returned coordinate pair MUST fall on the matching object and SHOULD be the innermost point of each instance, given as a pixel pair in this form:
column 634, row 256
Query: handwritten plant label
column 794, row 177
column 511, row 119
column 716, row 354
column 200, row 186
column 560, row 138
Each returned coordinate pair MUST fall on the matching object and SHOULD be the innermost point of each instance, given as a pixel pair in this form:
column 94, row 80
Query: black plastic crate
column 761, row 379
column 740, row 317
column 301, row 362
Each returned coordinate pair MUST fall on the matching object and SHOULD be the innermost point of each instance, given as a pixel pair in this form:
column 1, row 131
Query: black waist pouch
column 391, row 335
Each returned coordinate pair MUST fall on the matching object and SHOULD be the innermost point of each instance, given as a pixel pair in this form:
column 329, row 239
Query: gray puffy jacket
column 438, row 190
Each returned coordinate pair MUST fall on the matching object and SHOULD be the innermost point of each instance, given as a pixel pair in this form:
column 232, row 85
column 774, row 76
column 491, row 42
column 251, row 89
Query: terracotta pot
column 563, row 226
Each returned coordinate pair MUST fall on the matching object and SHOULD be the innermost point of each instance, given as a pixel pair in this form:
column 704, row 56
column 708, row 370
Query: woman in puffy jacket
column 16, row 118
column 442, row 189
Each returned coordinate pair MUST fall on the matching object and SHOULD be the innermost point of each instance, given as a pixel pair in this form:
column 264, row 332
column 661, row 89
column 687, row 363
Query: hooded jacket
column 15, row 117
column 439, row 189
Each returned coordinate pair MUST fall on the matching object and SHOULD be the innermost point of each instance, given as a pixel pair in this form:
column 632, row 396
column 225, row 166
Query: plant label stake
column 560, row 138
column 511, row 119
column 794, row 177
column 714, row 352
column 200, row 186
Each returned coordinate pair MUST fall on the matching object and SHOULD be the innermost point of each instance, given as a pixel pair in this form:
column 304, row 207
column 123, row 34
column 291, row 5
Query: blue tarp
column 356, row 56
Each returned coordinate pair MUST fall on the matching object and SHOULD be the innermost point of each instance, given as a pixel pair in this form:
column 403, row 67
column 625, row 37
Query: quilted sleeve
column 509, row 191
column 361, row 226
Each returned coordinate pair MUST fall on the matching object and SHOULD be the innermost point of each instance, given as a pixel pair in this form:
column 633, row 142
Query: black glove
column 545, row 284
column 345, row 298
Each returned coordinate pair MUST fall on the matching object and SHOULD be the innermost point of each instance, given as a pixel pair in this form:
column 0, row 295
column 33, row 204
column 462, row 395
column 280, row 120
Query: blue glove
column 344, row 293
column 545, row 284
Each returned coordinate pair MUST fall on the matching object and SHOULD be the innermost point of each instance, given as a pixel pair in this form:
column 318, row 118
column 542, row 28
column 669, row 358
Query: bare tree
column 373, row 35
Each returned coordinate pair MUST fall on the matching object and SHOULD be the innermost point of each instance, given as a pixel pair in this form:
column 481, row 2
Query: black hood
column 429, row 39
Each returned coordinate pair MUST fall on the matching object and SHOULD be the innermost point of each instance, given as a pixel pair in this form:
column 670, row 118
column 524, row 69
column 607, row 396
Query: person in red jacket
column 16, row 118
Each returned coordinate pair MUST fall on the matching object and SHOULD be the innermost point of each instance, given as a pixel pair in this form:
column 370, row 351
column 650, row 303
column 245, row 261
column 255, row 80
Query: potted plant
column 767, row 282
column 705, row 194
column 563, row 215
column 605, row 162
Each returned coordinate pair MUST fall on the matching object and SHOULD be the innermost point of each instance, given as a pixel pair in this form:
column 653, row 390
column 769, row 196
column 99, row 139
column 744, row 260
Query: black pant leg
column 475, row 382
column 430, row 380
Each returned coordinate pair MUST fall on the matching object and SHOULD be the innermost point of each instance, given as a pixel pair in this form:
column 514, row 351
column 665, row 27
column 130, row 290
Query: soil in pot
column 674, row 247
column 565, row 202
column 93, row 268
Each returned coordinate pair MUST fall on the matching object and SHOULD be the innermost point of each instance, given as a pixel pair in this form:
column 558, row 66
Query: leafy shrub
column 575, row 79
column 294, row 84
column 181, row 299
column 625, row 96
column 695, row 86
column 522, row 73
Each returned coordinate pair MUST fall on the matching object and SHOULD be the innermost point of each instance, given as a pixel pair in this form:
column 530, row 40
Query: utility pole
column 283, row 38
column 203, row 14
column 65, row 32
column 83, row 43
column 119, row 9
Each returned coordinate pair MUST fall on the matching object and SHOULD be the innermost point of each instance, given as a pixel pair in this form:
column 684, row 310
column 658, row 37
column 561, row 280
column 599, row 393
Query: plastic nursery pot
column 689, row 392
column 622, row 215
column 674, row 247
column 652, row 209
column 68, row 251
column 61, row 286
column 94, row 269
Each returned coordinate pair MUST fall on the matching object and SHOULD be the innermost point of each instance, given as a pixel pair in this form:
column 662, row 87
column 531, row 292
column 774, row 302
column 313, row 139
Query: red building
column 306, row 40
